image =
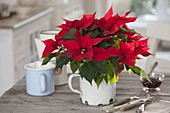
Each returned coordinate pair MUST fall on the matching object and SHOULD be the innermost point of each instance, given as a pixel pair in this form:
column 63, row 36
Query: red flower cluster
column 109, row 30
column 90, row 44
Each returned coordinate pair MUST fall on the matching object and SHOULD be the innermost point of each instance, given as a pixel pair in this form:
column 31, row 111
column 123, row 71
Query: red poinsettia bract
column 84, row 23
column 50, row 46
column 125, row 53
column 82, row 47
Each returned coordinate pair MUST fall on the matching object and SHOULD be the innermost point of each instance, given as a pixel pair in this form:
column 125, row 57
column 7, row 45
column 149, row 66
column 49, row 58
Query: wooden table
column 64, row 101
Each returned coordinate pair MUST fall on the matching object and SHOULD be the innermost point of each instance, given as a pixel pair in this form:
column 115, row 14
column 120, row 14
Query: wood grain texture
column 64, row 101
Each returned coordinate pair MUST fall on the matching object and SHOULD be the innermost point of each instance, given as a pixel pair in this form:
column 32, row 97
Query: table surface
column 64, row 101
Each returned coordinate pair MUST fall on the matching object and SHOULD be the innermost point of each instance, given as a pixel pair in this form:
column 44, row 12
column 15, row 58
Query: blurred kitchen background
column 21, row 21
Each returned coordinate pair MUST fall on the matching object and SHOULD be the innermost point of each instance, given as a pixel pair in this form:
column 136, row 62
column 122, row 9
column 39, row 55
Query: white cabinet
column 17, row 48
column 6, row 61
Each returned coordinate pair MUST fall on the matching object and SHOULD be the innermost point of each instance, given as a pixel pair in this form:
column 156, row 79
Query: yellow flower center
column 83, row 51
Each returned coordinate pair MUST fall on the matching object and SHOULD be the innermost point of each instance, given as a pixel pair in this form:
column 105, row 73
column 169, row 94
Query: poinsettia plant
column 98, row 48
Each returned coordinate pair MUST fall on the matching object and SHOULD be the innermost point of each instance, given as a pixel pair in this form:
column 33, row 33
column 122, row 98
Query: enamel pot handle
column 70, row 83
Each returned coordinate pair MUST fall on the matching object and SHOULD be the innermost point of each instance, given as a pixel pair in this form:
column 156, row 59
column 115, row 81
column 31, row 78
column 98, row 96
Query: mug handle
column 70, row 83
column 42, row 83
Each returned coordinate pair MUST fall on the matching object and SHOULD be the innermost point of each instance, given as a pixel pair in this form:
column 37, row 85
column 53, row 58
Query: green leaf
column 70, row 34
column 127, row 67
column 74, row 66
column 145, row 75
column 48, row 58
column 135, row 70
column 132, row 31
column 113, row 79
column 115, row 66
column 104, row 44
column 116, row 44
column 98, row 79
column 110, row 70
column 111, row 41
column 123, row 29
column 88, row 73
column 45, row 60
column 113, row 60
column 105, row 78
column 95, row 33
column 81, row 32
column 129, row 71
column 61, row 60
column 122, row 36
column 100, row 67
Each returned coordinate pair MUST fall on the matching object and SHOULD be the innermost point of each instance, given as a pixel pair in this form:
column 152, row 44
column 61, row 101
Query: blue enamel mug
column 39, row 78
